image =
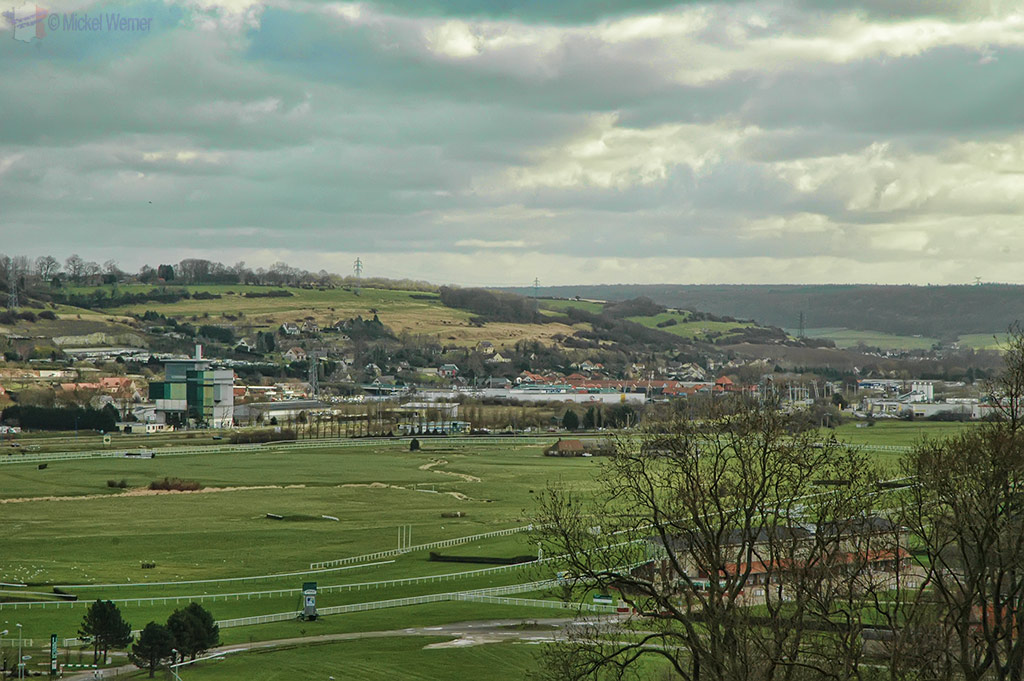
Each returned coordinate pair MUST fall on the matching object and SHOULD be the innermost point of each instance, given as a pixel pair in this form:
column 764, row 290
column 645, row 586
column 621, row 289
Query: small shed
column 566, row 448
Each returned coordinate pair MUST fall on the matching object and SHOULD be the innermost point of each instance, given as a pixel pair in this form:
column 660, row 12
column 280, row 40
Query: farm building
column 567, row 448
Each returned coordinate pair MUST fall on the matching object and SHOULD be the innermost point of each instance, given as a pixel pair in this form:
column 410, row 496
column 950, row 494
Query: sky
column 492, row 142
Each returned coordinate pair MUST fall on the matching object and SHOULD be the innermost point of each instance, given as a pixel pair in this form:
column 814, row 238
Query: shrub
column 266, row 435
column 119, row 484
column 47, row 314
column 175, row 484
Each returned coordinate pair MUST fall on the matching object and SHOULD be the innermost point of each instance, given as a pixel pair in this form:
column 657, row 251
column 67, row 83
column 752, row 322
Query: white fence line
column 271, row 593
column 421, row 547
column 318, row 443
column 254, row 578
column 536, row 603
column 391, row 603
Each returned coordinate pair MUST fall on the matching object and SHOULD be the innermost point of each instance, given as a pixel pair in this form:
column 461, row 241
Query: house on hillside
column 448, row 371
column 498, row 358
column 295, row 354
column 485, row 347
column 289, row 329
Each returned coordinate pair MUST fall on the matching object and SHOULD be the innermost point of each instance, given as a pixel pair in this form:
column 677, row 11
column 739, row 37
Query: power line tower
column 12, row 291
column 357, row 267
column 314, row 374
column 800, row 332
column 536, row 294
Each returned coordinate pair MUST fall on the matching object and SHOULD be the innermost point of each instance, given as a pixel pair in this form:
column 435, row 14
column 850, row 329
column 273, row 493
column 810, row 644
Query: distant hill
column 943, row 312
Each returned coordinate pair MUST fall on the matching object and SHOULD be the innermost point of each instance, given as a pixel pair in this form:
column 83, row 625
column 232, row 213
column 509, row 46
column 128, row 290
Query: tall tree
column 104, row 623
column 47, row 267
column 74, row 266
column 570, row 421
column 165, row 272
column 156, row 644
column 194, row 630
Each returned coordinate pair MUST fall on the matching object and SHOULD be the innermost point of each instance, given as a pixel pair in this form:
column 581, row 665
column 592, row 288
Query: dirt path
column 444, row 462
column 144, row 492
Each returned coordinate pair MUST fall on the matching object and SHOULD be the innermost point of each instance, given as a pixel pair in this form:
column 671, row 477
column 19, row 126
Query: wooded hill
column 943, row 312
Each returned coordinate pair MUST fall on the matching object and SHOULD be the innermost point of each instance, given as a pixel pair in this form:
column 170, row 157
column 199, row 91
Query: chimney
column 199, row 351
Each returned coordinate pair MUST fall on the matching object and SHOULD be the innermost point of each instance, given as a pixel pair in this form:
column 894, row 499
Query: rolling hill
column 944, row 313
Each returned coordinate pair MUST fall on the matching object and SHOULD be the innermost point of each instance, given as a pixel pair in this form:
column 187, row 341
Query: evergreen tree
column 103, row 622
column 570, row 421
column 590, row 419
column 155, row 644
column 194, row 630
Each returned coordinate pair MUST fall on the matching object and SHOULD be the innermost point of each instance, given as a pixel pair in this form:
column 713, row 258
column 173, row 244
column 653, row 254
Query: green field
column 562, row 305
column 380, row 658
column 983, row 341
column 689, row 329
column 849, row 338
column 101, row 536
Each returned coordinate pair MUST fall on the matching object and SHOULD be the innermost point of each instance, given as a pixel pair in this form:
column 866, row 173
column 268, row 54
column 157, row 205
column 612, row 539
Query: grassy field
column 100, row 535
column 983, row 341
column 689, row 329
column 103, row 535
column 684, row 327
column 849, row 338
column 382, row 658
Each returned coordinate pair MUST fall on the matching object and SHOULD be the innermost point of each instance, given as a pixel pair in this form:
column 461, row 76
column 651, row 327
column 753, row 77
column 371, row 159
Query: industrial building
column 193, row 394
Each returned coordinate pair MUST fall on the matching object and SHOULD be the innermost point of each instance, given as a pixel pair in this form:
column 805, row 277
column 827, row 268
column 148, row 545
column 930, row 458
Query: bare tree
column 968, row 512
column 747, row 552
column 47, row 267
column 74, row 266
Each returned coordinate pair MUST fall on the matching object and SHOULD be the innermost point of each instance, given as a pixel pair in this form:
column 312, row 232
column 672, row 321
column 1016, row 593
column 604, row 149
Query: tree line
column 27, row 273
column 188, row 632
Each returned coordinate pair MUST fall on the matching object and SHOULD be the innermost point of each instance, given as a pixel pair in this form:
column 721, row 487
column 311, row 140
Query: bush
column 257, row 436
column 119, row 484
column 175, row 484
column 56, row 418
column 47, row 314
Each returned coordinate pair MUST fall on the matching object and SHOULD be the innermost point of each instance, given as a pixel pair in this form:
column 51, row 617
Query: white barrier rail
column 390, row 603
column 220, row 580
column 272, row 593
column 318, row 443
column 444, row 543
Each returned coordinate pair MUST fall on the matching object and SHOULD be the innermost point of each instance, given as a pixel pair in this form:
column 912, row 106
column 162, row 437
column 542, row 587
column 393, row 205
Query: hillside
column 414, row 328
column 944, row 313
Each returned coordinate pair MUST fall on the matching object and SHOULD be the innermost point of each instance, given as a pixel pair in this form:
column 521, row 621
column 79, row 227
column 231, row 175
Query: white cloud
column 971, row 177
column 609, row 156
column 183, row 156
column 692, row 45
column 484, row 243
column 781, row 226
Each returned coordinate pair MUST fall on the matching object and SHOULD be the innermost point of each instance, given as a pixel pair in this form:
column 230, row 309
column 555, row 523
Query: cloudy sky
column 489, row 142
